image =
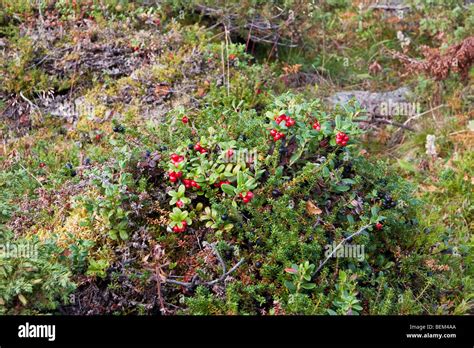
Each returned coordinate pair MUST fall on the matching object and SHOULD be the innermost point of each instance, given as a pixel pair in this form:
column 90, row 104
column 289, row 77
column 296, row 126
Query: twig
column 212, row 282
column 362, row 229
column 227, row 57
column 393, row 123
column 34, row 177
column 390, row 7
column 158, row 287
column 423, row 113
column 223, row 63
column 33, row 105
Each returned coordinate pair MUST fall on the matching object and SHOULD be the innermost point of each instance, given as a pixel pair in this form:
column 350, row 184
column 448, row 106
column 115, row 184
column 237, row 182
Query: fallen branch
column 393, row 123
column 362, row 229
column 195, row 282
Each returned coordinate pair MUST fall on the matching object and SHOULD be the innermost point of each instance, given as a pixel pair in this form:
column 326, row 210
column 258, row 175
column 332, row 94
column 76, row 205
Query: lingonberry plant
column 306, row 128
column 301, row 277
column 207, row 169
column 179, row 220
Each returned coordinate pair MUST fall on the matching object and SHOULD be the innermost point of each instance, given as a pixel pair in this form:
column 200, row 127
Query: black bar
column 287, row 330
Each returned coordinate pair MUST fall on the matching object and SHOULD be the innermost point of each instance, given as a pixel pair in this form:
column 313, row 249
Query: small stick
column 362, row 229
column 212, row 282
column 393, row 123
column 34, row 177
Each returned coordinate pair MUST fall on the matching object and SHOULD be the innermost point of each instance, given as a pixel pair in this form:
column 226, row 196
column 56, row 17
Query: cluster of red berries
column 289, row 122
column 316, row 125
column 276, row 134
column 188, row 183
column 178, row 229
column 175, row 176
column 342, row 139
column 176, row 159
column 248, row 197
column 199, row 148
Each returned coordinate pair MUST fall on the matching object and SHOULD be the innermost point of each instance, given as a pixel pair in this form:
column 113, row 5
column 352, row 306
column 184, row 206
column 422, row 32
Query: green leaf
column 308, row 286
column 325, row 172
column 350, row 219
column 342, row 188
column 290, row 286
column 374, row 210
column 123, row 234
column 338, row 122
column 228, row 189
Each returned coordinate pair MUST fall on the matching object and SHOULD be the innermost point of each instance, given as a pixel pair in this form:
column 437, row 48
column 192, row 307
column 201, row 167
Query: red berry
column 187, row 183
column 202, row 150
column 184, row 119
column 174, row 157
column 180, row 203
column 249, row 195
column 278, row 136
column 179, row 174
column 231, row 56
column 342, row 139
column 176, row 229
column 42, row 165
column 316, row 126
column 281, row 118
column 290, row 122
column 246, row 200
column 378, row 226
column 197, row 147
column 273, row 132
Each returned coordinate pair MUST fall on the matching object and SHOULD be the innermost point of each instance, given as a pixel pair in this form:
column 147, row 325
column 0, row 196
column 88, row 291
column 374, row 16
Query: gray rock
column 375, row 103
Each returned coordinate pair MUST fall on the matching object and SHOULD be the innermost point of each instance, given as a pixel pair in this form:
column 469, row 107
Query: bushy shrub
column 34, row 280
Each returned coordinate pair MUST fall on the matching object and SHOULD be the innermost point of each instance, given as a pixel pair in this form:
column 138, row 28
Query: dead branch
column 362, row 229
column 195, row 282
column 385, row 121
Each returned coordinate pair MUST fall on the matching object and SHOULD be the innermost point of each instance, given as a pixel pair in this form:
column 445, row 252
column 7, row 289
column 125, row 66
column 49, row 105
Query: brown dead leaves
column 457, row 58
column 312, row 208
